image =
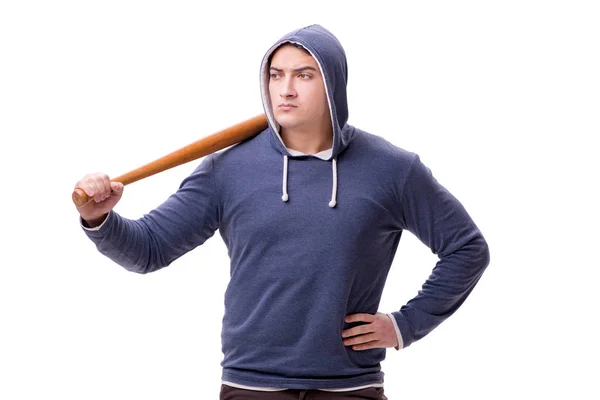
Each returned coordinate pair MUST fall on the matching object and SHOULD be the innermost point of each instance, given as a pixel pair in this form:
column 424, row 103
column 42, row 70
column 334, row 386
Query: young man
column 312, row 210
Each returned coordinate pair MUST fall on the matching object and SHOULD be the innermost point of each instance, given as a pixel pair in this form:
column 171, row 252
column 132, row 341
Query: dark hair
column 298, row 46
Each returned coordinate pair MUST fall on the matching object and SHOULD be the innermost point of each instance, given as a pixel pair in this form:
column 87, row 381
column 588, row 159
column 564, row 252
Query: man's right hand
column 104, row 195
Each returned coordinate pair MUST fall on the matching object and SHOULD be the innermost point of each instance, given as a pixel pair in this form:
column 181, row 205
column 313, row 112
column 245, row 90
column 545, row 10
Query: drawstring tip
column 285, row 197
column 332, row 203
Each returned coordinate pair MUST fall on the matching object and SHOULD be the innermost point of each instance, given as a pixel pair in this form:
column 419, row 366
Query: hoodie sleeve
column 184, row 221
column 441, row 222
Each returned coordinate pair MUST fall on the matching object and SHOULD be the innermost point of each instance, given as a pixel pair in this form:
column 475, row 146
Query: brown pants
column 232, row 393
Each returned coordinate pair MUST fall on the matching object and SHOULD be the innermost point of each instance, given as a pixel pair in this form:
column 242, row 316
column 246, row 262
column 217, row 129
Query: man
column 312, row 210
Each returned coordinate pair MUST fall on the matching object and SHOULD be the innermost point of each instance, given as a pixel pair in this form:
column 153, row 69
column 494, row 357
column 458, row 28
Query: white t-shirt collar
column 323, row 155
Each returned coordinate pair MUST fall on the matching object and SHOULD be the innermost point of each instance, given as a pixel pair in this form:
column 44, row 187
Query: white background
column 500, row 99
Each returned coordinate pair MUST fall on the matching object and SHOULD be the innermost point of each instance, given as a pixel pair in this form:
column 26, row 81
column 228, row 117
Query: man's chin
column 288, row 122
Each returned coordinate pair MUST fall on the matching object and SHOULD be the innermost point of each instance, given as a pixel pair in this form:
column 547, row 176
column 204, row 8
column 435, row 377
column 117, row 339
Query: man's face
column 297, row 90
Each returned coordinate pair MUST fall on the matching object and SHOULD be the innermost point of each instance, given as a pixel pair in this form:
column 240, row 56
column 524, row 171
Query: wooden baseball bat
column 200, row 148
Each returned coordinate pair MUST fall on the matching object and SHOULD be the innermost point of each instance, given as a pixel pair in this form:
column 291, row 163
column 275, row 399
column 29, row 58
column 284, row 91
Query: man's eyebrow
column 308, row 67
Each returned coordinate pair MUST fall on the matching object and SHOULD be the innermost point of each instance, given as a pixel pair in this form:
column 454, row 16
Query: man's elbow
column 483, row 253
column 144, row 268
column 140, row 266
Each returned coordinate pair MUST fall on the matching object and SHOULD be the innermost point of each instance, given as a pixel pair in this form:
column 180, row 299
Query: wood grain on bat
column 193, row 151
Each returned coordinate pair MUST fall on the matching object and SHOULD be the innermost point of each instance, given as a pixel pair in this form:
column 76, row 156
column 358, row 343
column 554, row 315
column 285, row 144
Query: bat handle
column 80, row 197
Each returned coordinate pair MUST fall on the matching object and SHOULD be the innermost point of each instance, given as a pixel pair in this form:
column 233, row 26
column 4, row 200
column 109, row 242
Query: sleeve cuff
column 85, row 226
column 398, row 335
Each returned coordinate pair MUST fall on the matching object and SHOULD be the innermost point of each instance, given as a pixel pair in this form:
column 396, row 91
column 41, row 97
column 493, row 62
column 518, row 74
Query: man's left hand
column 378, row 332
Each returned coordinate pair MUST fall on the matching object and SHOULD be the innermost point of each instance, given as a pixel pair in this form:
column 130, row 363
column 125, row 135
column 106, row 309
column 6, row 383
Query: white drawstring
column 333, row 201
column 285, row 196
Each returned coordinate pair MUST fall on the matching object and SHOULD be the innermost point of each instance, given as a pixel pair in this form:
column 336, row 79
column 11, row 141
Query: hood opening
column 266, row 98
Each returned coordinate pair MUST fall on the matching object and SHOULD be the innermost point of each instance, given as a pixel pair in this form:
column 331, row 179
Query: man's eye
column 304, row 76
column 274, row 75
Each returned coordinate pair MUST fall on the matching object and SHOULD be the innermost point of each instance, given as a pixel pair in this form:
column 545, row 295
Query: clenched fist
column 104, row 195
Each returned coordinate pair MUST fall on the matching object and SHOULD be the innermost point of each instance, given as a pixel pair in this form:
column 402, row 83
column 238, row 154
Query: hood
column 331, row 58
column 329, row 54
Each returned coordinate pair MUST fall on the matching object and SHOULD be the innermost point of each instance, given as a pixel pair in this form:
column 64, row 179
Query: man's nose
column 287, row 89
